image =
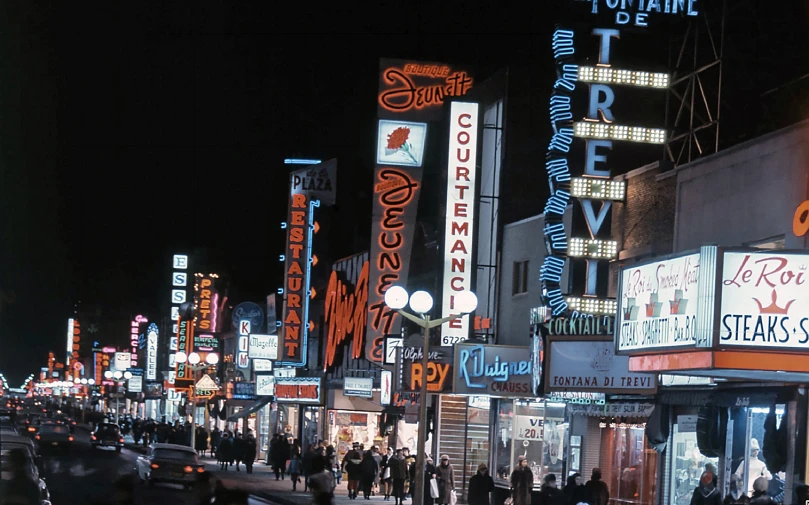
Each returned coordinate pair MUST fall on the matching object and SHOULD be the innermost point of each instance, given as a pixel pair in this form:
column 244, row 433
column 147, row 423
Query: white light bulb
column 91, row 381
column 421, row 302
column 212, row 358
column 127, row 375
column 181, row 357
column 396, row 297
column 193, row 358
column 108, row 374
column 117, row 375
column 466, row 302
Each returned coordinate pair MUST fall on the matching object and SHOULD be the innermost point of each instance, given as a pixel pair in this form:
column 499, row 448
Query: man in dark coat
column 597, row 489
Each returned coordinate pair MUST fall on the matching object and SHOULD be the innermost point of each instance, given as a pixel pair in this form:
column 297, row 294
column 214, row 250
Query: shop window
column 477, row 436
column 687, row 462
column 631, row 472
column 536, row 430
column 756, row 435
column 519, row 280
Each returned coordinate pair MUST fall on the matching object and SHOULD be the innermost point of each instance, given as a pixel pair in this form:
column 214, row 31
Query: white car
column 170, row 463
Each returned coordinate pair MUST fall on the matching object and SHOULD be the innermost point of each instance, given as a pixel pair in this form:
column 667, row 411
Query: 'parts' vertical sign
column 463, row 147
column 309, row 188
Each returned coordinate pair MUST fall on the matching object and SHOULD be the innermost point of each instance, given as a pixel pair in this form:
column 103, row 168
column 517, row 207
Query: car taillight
column 121, row 440
column 38, row 437
column 92, row 437
column 31, row 429
column 69, row 439
column 200, row 469
column 188, row 469
column 73, row 423
column 154, row 465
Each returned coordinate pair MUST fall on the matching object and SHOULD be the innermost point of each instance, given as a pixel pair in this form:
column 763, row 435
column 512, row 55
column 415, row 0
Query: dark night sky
column 133, row 130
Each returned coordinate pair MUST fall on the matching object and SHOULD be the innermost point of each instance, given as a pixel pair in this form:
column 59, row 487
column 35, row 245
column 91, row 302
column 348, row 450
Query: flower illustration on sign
column 397, row 142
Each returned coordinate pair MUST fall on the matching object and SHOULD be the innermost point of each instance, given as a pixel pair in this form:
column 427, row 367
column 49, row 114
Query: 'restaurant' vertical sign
column 409, row 93
column 460, row 225
column 309, row 187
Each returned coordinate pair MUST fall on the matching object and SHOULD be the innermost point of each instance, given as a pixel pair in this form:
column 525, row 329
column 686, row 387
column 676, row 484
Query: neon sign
column 207, row 300
column 419, row 88
column 636, row 12
column 392, row 234
column 296, row 267
column 493, row 370
column 134, row 335
column 151, row 352
column 346, row 314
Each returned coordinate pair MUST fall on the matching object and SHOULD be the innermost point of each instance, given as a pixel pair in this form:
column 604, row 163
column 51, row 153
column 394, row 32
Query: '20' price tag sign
column 528, row 428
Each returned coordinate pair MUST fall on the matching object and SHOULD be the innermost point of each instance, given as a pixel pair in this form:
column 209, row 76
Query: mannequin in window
column 757, row 467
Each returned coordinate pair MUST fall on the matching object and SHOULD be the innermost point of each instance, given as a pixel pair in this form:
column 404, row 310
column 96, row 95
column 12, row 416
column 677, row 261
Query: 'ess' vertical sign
column 463, row 147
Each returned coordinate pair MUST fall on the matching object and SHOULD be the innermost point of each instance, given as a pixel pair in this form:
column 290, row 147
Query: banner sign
column 460, row 214
column 244, row 391
column 346, row 309
column 262, row 346
column 494, row 370
column 592, row 366
column 185, row 338
column 628, row 409
column 386, row 382
column 358, row 386
column 439, row 369
column 152, row 333
column 658, row 304
column 765, row 300
column 301, row 390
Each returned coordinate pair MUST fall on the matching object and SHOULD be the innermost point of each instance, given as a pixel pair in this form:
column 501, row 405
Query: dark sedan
column 170, row 463
column 54, row 436
column 107, row 435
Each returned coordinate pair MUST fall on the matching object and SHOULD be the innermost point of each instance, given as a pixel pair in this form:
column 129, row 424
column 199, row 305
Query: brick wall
column 644, row 225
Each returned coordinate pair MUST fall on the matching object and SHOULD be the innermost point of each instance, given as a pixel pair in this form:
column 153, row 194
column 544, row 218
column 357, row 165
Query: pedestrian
column 239, row 449
column 378, row 458
column 549, row 494
column 398, row 472
column 322, row 482
column 333, row 464
column 201, row 440
column 480, row 485
column 368, row 472
column 445, row 475
column 574, row 491
column 216, row 436
column 294, row 468
column 736, row 494
column 429, row 477
column 410, row 482
column 384, row 468
column 250, row 450
column 522, row 482
column 597, row 489
column 225, row 452
column 306, row 465
column 706, row 493
column 760, row 496
column 351, row 465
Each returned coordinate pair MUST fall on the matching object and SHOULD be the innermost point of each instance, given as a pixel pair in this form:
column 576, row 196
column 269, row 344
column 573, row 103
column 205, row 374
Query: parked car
column 31, row 469
column 169, row 463
column 54, row 436
column 107, row 435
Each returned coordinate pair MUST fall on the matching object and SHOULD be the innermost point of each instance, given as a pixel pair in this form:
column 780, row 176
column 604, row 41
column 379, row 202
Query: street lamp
column 421, row 302
column 119, row 377
column 192, row 363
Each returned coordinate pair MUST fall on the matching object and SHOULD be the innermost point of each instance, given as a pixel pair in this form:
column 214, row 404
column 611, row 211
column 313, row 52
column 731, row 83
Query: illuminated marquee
column 460, row 224
column 346, row 314
column 593, row 190
column 418, row 89
column 185, row 339
column 636, row 12
column 73, row 340
column 134, row 338
column 151, row 352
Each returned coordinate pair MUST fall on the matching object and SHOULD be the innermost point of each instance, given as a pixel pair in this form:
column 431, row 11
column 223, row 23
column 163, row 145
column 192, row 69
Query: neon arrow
column 314, row 259
column 312, row 293
column 311, row 326
column 317, row 227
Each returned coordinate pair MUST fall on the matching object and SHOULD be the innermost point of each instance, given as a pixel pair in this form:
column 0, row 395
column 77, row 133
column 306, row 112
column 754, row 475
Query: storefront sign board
column 265, row 385
column 262, row 346
column 300, row 390
column 439, row 369
column 494, row 370
column 582, row 364
column 362, row 387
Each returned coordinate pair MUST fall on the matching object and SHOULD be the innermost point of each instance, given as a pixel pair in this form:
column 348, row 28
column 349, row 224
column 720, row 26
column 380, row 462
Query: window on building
column 519, row 282
column 768, row 243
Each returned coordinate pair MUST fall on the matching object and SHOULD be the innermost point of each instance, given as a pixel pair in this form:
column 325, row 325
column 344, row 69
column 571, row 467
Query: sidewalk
column 262, row 483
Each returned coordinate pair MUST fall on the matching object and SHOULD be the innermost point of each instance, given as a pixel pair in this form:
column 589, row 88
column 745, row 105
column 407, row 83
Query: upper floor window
column 519, row 281
column 768, row 243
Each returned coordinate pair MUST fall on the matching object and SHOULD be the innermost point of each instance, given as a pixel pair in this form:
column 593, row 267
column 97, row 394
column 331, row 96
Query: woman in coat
column 386, row 480
column 575, row 491
column 368, row 472
column 445, row 475
column 522, row 482
column 480, row 485
column 225, row 452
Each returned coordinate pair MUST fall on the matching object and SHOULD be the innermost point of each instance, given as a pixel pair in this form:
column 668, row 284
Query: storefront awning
column 252, row 409
column 338, row 401
column 744, row 365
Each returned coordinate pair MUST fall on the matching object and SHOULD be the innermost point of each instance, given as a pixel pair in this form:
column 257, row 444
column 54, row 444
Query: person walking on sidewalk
column 368, row 472
column 480, row 485
column 306, row 465
column 294, row 468
column 239, row 449
column 384, row 469
column 280, row 455
column 378, row 459
column 429, row 475
column 250, row 450
column 398, row 472
column 225, row 453
column 445, row 475
column 597, row 489
column 333, row 463
column 216, row 437
column 351, row 465
column 321, row 483
column 522, row 482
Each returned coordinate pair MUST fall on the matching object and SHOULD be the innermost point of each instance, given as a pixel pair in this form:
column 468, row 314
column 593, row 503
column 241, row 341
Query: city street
column 86, row 477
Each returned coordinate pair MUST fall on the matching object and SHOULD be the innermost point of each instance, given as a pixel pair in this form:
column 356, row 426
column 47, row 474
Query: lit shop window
column 536, row 430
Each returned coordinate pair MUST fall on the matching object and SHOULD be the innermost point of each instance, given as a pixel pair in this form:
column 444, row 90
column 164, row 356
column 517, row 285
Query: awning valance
column 252, row 409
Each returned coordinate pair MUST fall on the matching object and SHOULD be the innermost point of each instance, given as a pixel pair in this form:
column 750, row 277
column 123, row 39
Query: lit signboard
column 493, row 370
column 262, row 346
column 401, row 143
column 152, row 334
column 460, row 224
column 206, row 302
column 417, row 89
column 346, row 308
column 636, row 13
column 303, row 390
